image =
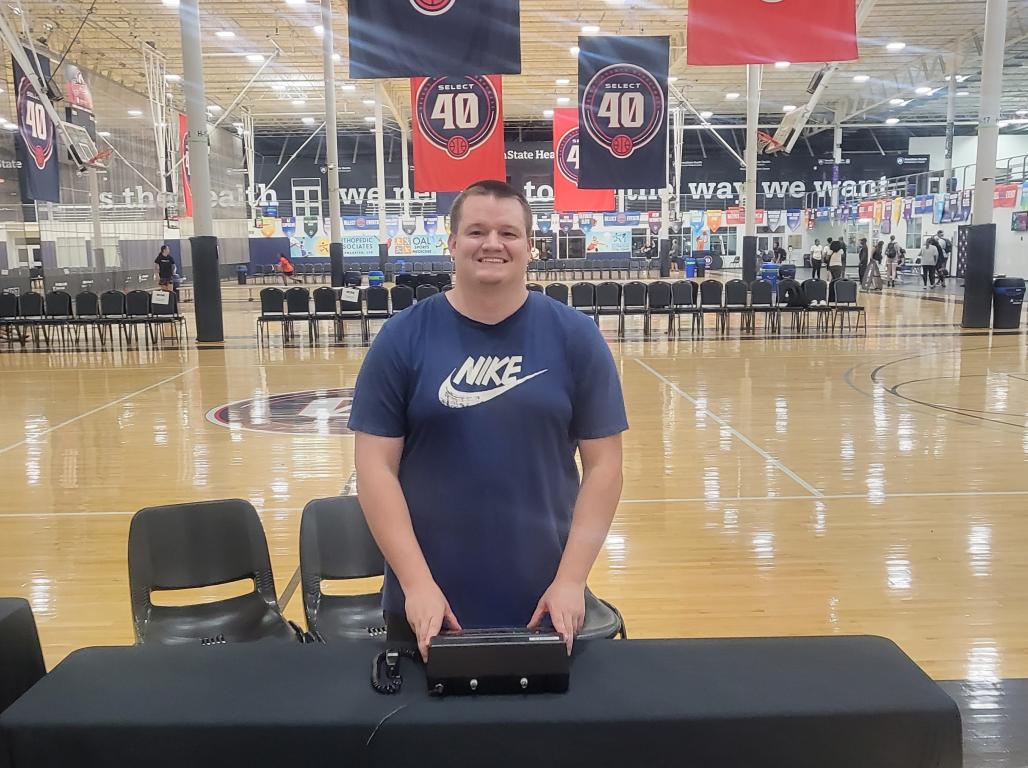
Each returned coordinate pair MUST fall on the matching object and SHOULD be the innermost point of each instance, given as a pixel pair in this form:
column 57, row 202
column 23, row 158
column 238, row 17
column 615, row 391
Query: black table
column 843, row 702
column 21, row 660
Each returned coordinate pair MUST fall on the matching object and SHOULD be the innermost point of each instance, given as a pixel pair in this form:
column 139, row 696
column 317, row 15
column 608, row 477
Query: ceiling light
column 783, row 64
column 225, row 34
column 547, row 113
column 336, row 57
column 237, row 125
column 1022, row 112
column 349, row 87
column 369, row 119
column 574, row 50
column 319, row 30
column 590, row 29
column 368, row 102
column 135, row 113
column 170, row 3
column 895, row 47
column 892, row 121
column 308, row 121
column 861, row 78
column 298, row 102
column 731, row 96
column 706, row 114
column 256, row 58
column 9, row 127
column 172, row 78
column 1003, row 124
column 563, row 99
column 278, row 86
column 1018, row 121
column 562, row 81
column 924, row 90
column 962, row 78
column 103, row 134
column 789, row 108
column 963, row 93
column 213, row 108
column 897, row 102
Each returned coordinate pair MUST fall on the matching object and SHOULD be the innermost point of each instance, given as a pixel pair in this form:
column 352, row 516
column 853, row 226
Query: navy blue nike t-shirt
column 491, row 416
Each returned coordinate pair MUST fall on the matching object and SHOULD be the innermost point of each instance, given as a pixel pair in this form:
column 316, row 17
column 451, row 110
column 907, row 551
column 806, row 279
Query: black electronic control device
column 497, row 661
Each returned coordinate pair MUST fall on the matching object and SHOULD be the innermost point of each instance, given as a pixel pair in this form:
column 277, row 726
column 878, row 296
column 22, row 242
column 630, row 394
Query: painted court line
column 745, row 440
column 81, row 416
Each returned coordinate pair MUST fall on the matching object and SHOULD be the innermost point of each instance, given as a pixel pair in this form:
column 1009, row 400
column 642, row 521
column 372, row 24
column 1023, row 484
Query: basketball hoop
column 767, row 144
column 99, row 160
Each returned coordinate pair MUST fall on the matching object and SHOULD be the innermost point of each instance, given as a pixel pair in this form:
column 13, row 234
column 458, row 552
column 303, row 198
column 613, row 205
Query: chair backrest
column 171, row 308
column 112, row 303
column 736, row 293
column 441, row 279
column 137, row 303
column 583, row 295
column 425, row 290
column 658, row 295
column 273, row 301
column 558, row 292
column 815, row 290
column 325, row 301
column 8, row 305
column 87, row 304
column 845, row 291
column 335, row 543
column 202, row 544
column 352, row 279
column 405, row 278
column 298, row 301
column 681, row 293
column 634, row 295
column 790, row 293
column 30, row 304
column 608, row 295
column 58, row 304
column 403, row 297
column 535, row 287
column 376, row 298
column 710, row 293
column 761, row 294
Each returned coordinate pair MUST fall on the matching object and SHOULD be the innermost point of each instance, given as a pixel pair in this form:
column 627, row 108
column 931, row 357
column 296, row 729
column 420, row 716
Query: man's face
column 491, row 246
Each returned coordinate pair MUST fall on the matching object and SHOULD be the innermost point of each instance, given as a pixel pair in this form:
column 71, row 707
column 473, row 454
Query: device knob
column 524, row 682
column 474, row 684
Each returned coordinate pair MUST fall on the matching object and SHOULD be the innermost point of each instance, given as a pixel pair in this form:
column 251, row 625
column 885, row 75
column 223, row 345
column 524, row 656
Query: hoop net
column 767, row 144
column 99, row 160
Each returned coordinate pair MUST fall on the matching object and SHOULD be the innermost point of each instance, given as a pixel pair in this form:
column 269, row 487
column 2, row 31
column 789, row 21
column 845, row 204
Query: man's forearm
column 594, row 511
column 385, row 508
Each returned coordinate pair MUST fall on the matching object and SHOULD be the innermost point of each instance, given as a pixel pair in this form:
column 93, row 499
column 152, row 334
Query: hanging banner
column 908, row 208
column 697, row 220
column 289, row 226
column 544, row 222
column 458, row 132
column 964, row 209
column 924, row 205
column 1005, row 195
column 39, row 174
column 622, row 219
column 735, row 217
column 879, row 210
column 714, row 220
column 586, row 222
column 361, row 223
column 567, row 222
column 431, row 225
column 1024, row 196
column 866, row 209
column 392, row 226
column 766, row 31
column 622, row 88
column 792, row 217
column 79, row 99
column 897, row 210
column 823, row 214
column 567, row 196
column 654, row 219
column 183, row 152
column 430, row 38
column 775, row 219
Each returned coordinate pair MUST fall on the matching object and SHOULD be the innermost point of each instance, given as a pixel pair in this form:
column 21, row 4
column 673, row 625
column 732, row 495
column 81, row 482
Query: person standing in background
column 815, row 260
column 929, row 258
column 892, row 257
column 862, row 258
column 164, row 266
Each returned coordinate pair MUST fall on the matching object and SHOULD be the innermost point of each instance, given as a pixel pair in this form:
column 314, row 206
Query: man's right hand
column 427, row 611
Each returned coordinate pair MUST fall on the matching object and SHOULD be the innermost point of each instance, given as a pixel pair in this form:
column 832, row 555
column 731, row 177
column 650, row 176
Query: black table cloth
column 838, row 702
column 21, row 659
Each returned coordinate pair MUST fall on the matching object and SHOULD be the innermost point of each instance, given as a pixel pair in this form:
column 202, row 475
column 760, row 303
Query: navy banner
column 623, row 110
column 37, row 139
column 428, row 38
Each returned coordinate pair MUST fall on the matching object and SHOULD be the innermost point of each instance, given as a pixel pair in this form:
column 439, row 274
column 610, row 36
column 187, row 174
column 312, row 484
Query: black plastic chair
column 583, row 298
column 558, row 292
column 325, row 309
column 203, row 544
column 608, row 301
column 87, row 314
column 9, row 318
column 602, row 620
column 737, row 303
column 32, row 313
column 658, row 302
column 336, row 544
column 273, row 310
column 298, row 307
column 137, row 312
column 165, row 316
column 425, row 291
column 534, row 287
column 762, row 302
column 683, row 302
column 406, row 278
column 402, row 297
column 816, row 293
column 633, row 303
column 711, row 303
column 353, row 279
column 845, row 305
column 349, row 311
column 796, row 313
column 59, row 312
column 376, row 304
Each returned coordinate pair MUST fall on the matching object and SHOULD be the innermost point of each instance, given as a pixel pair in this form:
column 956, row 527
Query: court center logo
column 457, row 114
column 623, row 108
column 316, row 412
column 433, row 7
column 567, row 155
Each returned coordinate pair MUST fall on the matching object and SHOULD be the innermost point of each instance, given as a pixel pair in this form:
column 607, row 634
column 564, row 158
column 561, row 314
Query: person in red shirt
column 285, row 267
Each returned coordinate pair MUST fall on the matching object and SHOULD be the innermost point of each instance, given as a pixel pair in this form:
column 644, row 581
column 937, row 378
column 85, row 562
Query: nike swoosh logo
column 454, row 398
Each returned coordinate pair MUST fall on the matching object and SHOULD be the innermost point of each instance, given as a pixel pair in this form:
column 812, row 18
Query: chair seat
column 352, row 617
column 242, row 619
column 602, row 620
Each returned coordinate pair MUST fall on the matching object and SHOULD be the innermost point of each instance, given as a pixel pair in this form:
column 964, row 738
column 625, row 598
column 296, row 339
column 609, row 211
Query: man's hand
column 564, row 601
column 427, row 609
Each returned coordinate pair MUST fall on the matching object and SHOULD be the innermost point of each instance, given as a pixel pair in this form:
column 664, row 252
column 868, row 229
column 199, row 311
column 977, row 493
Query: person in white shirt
column 815, row 260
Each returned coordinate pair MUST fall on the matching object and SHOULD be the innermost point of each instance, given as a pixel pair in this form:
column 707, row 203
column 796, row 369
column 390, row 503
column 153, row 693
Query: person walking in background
column 862, row 258
column 892, row 257
column 872, row 272
column 838, row 254
column 929, row 257
column 779, row 253
column 815, row 260
column 945, row 247
column 285, row 267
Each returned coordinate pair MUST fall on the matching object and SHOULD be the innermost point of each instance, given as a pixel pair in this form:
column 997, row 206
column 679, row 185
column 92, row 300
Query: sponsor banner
column 183, row 152
column 567, row 196
column 360, row 222
column 897, row 210
column 1005, row 195
column 924, row 205
column 823, row 214
column 392, row 226
column 964, row 208
column 775, row 219
column 735, row 216
column 766, row 31
column 714, row 219
column 1024, row 196
column 793, row 217
column 567, row 222
column 288, row 226
column 622, row 219
column 39, row 175
column 697, row 221
column 357, row 246
column 414, row 246
column 866, row 209
column 586, row 222
column 425, row 38
column 458, row 131
column 608, row 241
column 623, row 110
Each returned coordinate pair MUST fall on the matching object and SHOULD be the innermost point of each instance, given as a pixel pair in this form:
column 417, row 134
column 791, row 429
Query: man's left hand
column 564, row 602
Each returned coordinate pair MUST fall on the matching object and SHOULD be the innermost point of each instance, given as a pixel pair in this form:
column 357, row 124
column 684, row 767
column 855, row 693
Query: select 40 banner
column 458, row 131
column 37, row 138
column 415, row 38
column 623, row 110
column 566, row 165
column 765, row 31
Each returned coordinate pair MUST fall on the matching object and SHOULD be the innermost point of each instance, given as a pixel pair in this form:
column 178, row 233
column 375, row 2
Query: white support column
column 988, row 116
column 405, row 159
column 951, row 114
column 837, row 159
column 380, row 160
column 198, row 140
column 753, row 76
column 332, row 145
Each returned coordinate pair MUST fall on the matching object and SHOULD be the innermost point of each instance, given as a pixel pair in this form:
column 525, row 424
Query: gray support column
column 749, row 240
column 99, row 262
column 332, row 146
column 204, row 246
column 383, row 249
column 988, row 116
column 837, row 159
column 405, row 159
column 951, row 114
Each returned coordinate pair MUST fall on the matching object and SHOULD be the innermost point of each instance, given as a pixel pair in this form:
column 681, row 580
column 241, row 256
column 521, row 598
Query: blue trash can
column 769, row 272
column 690, row 267
column 376, row 279
column 1007, row 300
column 241, row 273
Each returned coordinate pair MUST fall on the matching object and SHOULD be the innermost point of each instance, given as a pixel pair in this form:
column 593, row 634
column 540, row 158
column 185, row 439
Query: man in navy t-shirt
column 469, row 409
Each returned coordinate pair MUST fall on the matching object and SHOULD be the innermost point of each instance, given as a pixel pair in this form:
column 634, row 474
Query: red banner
column 183, row 152
column 1005, row 195
column 566, row 194
column 866, row 209
column 736, row 217
column 762, row 32
column 458, row 131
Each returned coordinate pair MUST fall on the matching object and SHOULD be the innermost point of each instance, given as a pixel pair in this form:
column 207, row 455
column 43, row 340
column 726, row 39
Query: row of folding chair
column 298, row 305
column 592, row 269
column 32, row 315
column 204, row 544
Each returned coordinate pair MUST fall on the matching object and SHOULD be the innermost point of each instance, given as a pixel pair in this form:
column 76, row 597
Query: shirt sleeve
column 598, row 406
column 380, row 398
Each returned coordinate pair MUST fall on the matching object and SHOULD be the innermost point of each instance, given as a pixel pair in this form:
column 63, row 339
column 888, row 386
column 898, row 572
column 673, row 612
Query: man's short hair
column 501, row 190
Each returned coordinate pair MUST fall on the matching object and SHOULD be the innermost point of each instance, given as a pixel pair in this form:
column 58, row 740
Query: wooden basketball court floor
column 773, row 486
